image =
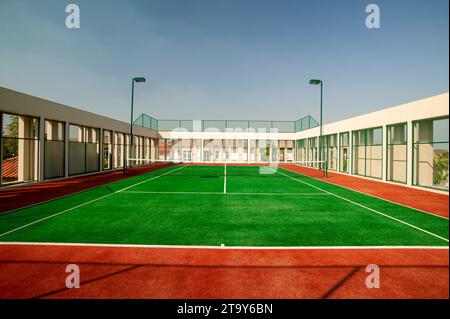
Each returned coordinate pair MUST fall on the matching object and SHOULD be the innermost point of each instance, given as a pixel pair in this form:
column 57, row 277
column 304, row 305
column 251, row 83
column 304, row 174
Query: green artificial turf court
column 230, row 205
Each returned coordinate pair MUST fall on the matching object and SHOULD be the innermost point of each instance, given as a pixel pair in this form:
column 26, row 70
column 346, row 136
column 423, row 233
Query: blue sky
column 226, row 59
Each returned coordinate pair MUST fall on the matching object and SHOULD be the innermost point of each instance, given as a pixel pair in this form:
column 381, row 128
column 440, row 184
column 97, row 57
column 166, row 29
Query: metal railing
column 302, row 124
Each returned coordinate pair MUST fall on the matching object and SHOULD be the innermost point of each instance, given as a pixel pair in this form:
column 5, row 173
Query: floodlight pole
column 140, row 79
column 321, row 124
column 317, row 82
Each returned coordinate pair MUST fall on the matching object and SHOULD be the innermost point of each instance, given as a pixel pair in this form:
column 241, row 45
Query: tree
column 10, row 145
column 440, row 171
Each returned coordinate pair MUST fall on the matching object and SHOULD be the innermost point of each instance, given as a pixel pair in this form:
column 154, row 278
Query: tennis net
column 317, row 169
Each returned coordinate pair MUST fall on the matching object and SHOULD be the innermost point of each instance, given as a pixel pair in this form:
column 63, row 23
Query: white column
column 22, row 151
column 41, row 147
column 384, row 153
column 101, row 149
column 113, row 147
column 338, row 151
column 350, row 153
column 115, row 155
column 248, row 150
column 270, row 150
column 201, row 152
column 66, row 149
column 29, row 164
column 409, row 152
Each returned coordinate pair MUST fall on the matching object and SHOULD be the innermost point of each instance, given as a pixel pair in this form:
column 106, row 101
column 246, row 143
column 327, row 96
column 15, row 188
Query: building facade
column 406, row 144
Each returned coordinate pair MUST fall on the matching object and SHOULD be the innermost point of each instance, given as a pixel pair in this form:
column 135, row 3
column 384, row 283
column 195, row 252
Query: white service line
column 365, row 207
column 88, row 202
column 222, row 247
column 228, row 193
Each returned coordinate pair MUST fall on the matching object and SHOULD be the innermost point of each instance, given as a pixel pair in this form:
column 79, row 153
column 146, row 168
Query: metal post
column 131, row 130
column 321, row 125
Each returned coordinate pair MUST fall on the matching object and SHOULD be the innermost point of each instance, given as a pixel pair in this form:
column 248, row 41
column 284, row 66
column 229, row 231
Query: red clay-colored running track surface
column 38, row 271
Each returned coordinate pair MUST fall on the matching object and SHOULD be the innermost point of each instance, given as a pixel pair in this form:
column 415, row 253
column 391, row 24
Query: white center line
column 86, row 203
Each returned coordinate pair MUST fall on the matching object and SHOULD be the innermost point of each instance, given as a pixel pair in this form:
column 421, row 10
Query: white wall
column 23, row 104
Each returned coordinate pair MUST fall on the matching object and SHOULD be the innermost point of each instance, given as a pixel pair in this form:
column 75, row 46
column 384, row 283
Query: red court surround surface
column 24, row 195
column 29, row 271
column 109, row 272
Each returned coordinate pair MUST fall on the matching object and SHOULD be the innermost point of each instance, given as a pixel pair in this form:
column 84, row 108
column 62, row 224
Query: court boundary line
column 223, row 247
column 77, row 192
column 290, row 177
column 365, row 207
column 86, row 203
column 354, row 190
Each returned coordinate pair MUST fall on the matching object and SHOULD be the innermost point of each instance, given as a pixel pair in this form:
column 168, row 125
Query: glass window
column 18, row 126
column 430, row 153
column 162, row 149
column 154, row 149
column 118, row 149
column 397, row 153
column 84, row 149
column 331, row 151
column 20, row 149
column 302, row 151
column 313, row 148
column 397, row 134
column 107, row 154
column 54, row 146
column 344, row 152
column 368, row 152
column 76, row 133
column 147, row 149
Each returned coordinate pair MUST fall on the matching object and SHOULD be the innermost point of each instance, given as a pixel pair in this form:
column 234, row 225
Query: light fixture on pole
column 319, row 82
column 137, row 80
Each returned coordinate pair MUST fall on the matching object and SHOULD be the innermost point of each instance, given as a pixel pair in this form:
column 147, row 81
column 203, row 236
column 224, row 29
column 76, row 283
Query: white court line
column 365, row 207
column 86, row 203
column 225, row 179
column 357, row 191
column 223, row 247
column 228, row 193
